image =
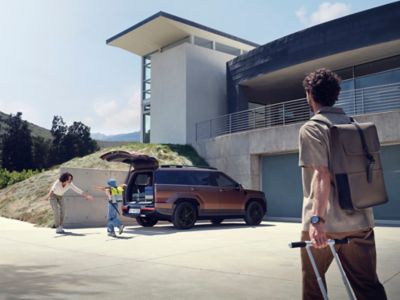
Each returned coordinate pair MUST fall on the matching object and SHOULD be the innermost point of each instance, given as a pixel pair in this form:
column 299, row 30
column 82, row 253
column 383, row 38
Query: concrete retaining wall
column 83, row 213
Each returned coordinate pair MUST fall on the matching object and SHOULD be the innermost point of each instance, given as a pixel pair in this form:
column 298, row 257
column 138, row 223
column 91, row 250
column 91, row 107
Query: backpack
column 355, row 164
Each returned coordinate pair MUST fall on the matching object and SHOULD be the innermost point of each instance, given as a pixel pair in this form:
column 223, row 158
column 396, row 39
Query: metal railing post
column 362, row 101
column 230, row 123
column 283, row 113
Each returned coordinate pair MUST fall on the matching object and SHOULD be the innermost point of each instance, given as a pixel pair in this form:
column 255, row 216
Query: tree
column 70, row 141
column 58, row 131
column 17, row 144
column 40, row 152
column 78, row 142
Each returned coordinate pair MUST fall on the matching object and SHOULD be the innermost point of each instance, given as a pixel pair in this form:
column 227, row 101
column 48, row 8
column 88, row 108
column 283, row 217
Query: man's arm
column 320, row 189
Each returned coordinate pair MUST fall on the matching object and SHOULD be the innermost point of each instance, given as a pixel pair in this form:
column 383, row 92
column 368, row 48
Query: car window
column 224, row 181
column 173, row 177
column 201, row 178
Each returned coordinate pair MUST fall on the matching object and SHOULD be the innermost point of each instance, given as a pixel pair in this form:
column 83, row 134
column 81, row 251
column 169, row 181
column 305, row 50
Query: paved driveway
column 231, row 261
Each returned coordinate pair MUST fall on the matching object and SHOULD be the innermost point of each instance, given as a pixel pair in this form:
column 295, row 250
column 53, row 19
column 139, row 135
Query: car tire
column 146, row 222
column 217, row 221
column 185, row 215
column 254, row 213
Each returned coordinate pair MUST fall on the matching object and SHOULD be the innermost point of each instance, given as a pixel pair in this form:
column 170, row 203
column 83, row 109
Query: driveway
column 230, row 261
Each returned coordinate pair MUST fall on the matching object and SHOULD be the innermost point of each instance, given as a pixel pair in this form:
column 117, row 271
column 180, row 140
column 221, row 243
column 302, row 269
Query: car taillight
column 125, row 208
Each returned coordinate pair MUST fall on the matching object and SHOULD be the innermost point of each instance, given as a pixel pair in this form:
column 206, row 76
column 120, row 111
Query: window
column 146, row 95
column 227, row 49
column 224, row 181
column 203, row 42
column 201, row 178
column 172, row 177
column 382, row 78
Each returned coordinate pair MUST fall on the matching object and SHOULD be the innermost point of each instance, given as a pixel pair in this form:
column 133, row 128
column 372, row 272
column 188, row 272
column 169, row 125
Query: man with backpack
column 323, row 217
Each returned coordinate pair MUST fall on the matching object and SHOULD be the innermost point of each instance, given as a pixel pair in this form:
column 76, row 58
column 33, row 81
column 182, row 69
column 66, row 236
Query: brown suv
column 184, row 194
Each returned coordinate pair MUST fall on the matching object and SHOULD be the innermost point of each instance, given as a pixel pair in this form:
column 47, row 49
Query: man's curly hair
column 323, row 85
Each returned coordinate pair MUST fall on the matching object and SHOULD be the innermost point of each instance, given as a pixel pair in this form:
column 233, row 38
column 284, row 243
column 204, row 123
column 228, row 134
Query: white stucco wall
column 206, row 86
column 188, row 85
column 168, row 96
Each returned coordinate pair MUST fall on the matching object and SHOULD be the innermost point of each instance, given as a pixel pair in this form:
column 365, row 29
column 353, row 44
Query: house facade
column 241, row 105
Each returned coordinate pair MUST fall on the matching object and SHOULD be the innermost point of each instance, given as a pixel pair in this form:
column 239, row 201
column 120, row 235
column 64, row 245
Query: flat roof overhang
column 286, row 83
column 162, row 29
column 274, row 72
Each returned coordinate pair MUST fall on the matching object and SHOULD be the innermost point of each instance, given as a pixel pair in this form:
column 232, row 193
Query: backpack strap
column 322, row 120
column 368, row 155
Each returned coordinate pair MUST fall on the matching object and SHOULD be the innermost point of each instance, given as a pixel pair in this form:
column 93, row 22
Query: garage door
column 281, row 182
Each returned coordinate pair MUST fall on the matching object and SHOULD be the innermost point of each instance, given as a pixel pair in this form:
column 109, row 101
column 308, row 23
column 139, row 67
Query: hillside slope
column 27, row 201
column 35, row 129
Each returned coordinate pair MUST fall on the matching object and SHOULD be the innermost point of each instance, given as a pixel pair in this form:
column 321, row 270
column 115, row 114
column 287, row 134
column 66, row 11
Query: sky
column 54, row 59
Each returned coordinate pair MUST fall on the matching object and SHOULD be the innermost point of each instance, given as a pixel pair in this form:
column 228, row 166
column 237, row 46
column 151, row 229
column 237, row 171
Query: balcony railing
column 354, row 102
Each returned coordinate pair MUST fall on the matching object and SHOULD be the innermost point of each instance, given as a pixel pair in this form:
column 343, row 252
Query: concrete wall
column 168, row 96
column 188, row 85
column 83, row 213
column 205, row 86
column 239, row 154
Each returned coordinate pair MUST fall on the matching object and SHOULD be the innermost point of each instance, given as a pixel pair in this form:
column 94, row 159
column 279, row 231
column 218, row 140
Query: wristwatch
column 316, row 219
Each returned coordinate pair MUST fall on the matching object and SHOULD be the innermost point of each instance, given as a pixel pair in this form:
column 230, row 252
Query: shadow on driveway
column 40, row 282
column 170, row 229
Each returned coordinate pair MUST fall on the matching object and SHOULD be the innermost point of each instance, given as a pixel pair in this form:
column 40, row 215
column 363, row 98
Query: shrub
column 8, row 178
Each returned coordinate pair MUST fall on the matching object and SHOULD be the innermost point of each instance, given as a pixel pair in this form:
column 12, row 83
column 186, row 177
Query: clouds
column 326, row 11
column 117, row 114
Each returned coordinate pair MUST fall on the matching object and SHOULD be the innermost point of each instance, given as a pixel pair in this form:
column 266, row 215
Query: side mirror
column 239, row 187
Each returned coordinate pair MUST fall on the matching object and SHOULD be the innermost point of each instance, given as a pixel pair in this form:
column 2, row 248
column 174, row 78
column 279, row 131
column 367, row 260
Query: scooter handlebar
column 305, row 243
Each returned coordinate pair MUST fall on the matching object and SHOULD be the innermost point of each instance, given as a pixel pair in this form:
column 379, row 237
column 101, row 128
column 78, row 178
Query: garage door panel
column 281, row 182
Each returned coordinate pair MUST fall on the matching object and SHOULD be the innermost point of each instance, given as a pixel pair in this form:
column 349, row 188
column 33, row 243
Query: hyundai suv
column 184, row 194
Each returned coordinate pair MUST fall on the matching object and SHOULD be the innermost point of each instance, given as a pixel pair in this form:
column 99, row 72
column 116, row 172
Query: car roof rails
column 187, row 166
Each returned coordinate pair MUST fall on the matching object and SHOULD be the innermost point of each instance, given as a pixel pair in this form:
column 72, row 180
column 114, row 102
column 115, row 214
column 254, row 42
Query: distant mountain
column 35, row 129
column 125, row 137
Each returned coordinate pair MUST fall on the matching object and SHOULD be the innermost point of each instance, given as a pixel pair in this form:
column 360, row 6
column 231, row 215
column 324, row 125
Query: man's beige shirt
column 314, row 152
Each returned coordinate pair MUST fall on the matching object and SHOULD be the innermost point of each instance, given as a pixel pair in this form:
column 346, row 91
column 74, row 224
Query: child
column 114, row 196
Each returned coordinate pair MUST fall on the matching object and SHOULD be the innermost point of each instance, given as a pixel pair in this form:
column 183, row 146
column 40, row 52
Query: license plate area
column 135, row 211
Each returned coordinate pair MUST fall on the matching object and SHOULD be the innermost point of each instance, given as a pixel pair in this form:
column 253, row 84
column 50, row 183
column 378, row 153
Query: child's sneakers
column 60, row 230
column 121, row 229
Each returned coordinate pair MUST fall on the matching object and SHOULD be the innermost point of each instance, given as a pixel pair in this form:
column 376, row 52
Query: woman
column 63, row 184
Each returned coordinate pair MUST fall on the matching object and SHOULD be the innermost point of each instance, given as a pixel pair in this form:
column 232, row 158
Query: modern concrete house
column 241, row 105
column 183, row 74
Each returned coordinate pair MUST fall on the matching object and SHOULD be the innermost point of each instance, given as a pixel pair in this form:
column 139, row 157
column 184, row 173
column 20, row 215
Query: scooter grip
column 297, row 244
column 342, row 241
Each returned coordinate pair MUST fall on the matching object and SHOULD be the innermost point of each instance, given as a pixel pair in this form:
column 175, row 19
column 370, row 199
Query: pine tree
column 17, row 145
column 70, row 141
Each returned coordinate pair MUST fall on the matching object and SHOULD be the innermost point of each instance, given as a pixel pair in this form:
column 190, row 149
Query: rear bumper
column 143, row 210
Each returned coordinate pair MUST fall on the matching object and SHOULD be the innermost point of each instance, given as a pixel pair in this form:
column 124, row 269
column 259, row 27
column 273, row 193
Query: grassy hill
column 27, row 201
column 35, row 129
